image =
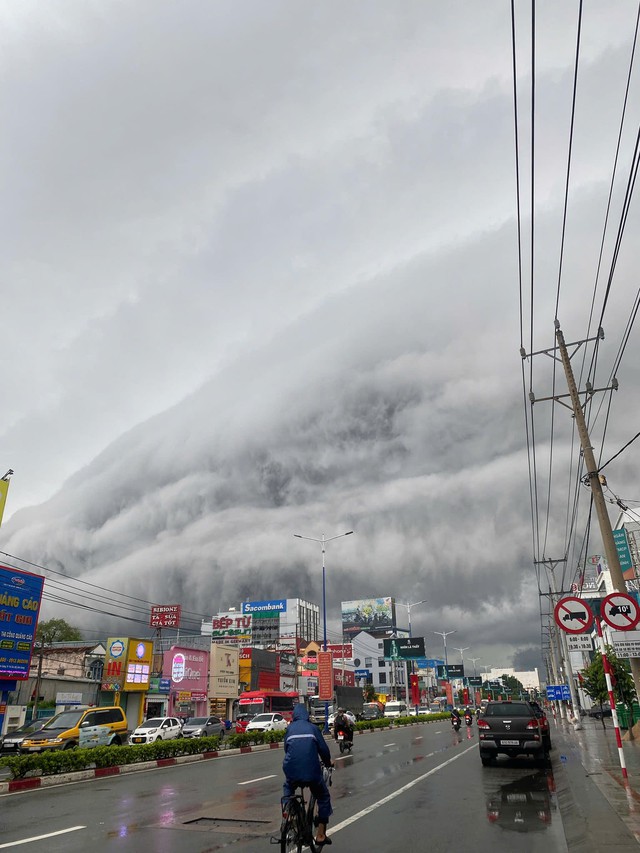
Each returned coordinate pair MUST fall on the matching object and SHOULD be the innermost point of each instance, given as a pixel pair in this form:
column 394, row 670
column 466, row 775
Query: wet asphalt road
column 414, row 789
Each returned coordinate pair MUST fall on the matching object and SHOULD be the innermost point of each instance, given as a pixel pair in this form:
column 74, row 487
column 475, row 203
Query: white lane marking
column 388, row 744
column 259, row 779
column 439, row 732
column 397, row 793
column 418, row 737
column 40, row 837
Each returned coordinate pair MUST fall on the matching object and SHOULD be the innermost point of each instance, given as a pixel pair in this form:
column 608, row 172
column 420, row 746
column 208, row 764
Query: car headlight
column 56, row 740
column 199, row 732
column 152, row 731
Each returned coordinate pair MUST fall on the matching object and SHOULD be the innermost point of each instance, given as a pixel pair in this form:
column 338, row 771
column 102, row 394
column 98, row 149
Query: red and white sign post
column 618, row 610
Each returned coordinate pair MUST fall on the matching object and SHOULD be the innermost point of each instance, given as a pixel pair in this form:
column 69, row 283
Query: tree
column 512, row 684
column 369, row 692
column 56, row 631
column 595, row 685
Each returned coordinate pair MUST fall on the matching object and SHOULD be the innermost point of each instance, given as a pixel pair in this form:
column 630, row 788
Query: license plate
column 516, row 798
column 509, row 742
column 340, row 737
column 137, row 739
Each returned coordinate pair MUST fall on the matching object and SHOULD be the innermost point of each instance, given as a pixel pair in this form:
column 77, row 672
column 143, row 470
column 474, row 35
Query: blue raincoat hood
column 300, row 712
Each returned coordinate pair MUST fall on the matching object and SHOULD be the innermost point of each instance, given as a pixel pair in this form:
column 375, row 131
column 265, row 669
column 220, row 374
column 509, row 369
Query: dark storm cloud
column 263, row 280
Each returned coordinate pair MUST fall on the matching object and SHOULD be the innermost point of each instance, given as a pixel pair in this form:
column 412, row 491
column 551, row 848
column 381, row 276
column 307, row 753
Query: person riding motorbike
column 468, row 716
column 304, row 749
column 342, row 723
column 456, row 721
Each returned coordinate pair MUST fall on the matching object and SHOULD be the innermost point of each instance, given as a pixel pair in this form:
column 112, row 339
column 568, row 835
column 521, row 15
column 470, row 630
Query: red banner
column 165, row 616
column 415, row 689
column 325, row 676
column 341, row 650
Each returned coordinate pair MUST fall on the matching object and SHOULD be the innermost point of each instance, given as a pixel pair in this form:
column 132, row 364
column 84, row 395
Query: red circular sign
column 620, row 611
column 573, row 615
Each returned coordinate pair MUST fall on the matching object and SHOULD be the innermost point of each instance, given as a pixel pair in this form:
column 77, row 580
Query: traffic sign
column 620, row 611
column 573, row 614
column 579, row 643
column 558, row 691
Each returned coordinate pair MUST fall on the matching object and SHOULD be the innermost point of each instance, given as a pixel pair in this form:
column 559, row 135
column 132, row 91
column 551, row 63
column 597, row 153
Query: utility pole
column 555, row 666
column 592, row 476
column 564, row 647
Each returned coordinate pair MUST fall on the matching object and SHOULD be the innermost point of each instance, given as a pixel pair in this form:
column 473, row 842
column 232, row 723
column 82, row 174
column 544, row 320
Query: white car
column 156, row 728
column 348, row 715
column 267, row 723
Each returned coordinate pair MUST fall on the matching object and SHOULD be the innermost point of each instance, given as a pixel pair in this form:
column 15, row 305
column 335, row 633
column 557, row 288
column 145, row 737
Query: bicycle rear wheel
column 291, row 834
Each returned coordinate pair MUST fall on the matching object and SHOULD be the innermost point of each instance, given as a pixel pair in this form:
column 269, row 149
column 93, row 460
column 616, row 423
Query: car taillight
column 533, row 724
column 483, row 724
column 493, row 816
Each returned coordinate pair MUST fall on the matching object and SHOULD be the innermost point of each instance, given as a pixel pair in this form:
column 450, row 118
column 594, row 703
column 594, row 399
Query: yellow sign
column 4, row 488
column 139, row 664
column 184, row 696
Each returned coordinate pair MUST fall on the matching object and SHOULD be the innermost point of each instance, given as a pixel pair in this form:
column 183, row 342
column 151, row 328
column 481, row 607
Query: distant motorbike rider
column 342, row 723
column 456, row 721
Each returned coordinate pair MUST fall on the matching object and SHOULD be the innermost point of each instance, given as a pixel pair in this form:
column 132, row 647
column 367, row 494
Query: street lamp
column 465, row 649
column 444, row 635
column 409, row 606
column 323, row 541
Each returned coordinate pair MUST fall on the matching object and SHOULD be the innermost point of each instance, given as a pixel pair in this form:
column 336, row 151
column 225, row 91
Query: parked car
column 203, row 727
column 12, row 741
column 599, row 711
column 242, row 721
column 544, row 722
column 267, row 723
column 63, row 730
column 511, row 728
column 157, row 728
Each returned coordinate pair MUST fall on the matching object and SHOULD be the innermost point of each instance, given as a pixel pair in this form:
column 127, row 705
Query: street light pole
column 474, row 661
column 409, row 606
column 444, row 635
column 323, row 541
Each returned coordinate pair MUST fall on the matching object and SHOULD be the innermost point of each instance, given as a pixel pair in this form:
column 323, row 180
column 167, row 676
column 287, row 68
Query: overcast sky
column 260, row 277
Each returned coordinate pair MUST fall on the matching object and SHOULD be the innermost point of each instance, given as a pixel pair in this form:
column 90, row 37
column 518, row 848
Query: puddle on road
column 523, row 805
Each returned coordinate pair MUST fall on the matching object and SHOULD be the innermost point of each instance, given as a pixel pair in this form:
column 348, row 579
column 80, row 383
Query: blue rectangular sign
column 558, row 691
column 277, row 606
column 566, row 693
column 20, row 596
column 362, row 673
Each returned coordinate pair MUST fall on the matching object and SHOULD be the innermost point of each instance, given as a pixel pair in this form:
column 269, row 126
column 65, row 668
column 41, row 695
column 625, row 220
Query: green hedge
column 236, row 741
column 51, row 762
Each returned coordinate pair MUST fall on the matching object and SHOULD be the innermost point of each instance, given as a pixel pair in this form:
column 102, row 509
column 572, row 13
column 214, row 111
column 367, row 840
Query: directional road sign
column 573, row 614
column 620, row 611
column 558, row 691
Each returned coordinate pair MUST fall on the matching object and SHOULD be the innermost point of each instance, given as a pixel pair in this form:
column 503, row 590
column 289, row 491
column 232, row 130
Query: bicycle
column 299, row 819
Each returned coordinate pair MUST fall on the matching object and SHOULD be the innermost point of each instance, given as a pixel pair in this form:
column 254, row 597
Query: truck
column 349, row 698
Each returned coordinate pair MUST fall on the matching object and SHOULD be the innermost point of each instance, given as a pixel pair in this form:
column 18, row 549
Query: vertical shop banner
column 20, row 596
column 325, row 676
column 4, row 489
column 224, row 672
column 139, row 663
column 115, row 664
column 415, row 689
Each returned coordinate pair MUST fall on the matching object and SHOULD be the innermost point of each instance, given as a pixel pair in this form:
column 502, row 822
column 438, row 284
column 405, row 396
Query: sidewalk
column 598, row 806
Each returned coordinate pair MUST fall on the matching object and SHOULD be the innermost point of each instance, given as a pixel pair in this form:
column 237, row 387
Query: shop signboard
column 165, row 616
column 403, row 648
column 20, row 596
column 139, row 664
column 224, row 672
column 325, row 676
column 368, row 614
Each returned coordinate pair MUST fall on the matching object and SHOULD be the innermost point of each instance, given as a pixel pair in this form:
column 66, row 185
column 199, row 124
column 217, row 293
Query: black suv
column 512, row 728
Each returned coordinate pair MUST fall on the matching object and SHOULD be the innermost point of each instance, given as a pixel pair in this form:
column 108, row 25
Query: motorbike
column 456, row 722
column 468, row 719
column 345, row 740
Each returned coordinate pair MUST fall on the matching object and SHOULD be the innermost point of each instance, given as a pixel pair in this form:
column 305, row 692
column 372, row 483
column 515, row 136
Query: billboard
column 20, row 595
column 325, row 676
column 187, row 669
column 4, row 488
column 277, row 606
column 342, row 651
column 368, row 614
column 114, row 663
column 165, row 616
column 139, row 665
column 403, row 648
column 224, row 670
column 231, row 628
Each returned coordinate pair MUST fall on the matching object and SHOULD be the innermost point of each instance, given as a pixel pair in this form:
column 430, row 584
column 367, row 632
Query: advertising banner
column 114, row 663
column 230, row 628
column 288, row 664
column 187, row 669
column 341, row 650
column 165, row 616
column 403, row 648
column 139, row 665
column 368, row 614
column 325, row 676
column 224, row 671
column 20, row 596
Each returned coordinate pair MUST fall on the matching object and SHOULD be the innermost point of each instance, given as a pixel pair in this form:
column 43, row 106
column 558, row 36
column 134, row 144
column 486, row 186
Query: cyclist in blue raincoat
column 304, row 749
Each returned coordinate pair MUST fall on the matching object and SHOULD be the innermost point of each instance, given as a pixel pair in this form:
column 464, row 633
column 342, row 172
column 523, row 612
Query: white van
column 395, row 709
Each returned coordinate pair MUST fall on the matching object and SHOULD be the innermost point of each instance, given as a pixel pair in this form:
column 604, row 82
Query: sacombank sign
column 279, row 606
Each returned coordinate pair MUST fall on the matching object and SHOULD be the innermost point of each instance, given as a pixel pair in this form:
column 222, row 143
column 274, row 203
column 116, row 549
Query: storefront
column 188, row 674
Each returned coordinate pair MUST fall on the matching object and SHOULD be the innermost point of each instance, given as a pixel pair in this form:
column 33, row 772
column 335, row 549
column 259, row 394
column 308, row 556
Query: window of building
column 382, row 677
column 382, row 662
column 368, row 661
